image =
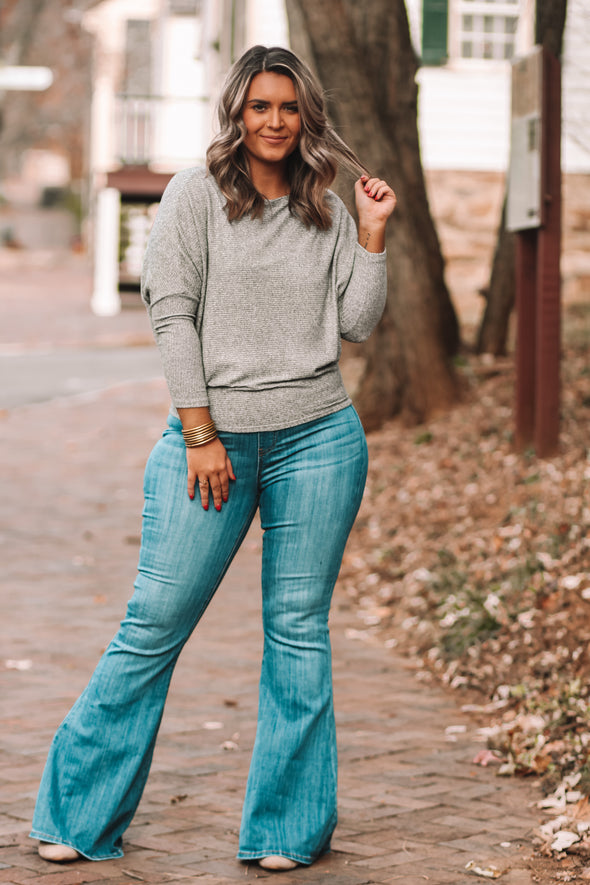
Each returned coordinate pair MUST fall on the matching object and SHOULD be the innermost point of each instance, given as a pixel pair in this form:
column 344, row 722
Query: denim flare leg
column 307, row 482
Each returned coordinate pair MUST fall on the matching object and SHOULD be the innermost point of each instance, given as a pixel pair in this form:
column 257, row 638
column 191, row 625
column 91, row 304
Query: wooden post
column 526, row 336
column 534, row 213
column 548, row 313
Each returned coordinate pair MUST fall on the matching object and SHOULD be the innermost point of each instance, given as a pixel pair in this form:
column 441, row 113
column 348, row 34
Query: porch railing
column 168, row 130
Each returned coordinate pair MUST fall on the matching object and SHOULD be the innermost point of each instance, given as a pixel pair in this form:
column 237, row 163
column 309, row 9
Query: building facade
column 466, row 47
column 158, row 66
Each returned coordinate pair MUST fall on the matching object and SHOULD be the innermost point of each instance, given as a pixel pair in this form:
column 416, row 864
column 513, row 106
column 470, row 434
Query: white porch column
column 106, row 301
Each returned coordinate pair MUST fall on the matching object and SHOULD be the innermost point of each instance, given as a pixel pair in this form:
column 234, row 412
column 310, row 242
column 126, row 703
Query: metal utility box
column 525, row 202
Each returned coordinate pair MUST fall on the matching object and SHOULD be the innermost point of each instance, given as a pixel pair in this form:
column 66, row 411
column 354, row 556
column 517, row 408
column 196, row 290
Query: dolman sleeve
column 360, row 280
column 171, row 288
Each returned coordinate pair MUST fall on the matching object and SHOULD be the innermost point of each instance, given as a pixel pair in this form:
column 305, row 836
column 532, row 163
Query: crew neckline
column 276, row 199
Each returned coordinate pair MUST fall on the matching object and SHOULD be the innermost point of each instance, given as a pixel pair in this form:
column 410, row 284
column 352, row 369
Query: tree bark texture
column 550, row 25
column 493, row 331
column 364, row 59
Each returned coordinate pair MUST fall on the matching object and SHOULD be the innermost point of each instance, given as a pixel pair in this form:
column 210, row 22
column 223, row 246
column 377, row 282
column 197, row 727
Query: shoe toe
column 277, row 862
column 57, row 853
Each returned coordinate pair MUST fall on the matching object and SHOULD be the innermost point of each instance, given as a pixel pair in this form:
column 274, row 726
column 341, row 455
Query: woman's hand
column 375, row 201
column 209, row 468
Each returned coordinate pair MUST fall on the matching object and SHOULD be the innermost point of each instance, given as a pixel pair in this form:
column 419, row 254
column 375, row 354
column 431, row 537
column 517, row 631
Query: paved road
column 33, row 377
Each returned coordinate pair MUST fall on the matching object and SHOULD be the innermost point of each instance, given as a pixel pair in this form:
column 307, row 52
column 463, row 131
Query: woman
column 253, row 273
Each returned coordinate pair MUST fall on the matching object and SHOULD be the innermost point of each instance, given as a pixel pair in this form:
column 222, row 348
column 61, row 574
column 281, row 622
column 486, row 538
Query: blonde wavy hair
column 312, row 166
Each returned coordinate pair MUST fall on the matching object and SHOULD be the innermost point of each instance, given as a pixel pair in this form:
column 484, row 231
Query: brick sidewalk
column 413, row 807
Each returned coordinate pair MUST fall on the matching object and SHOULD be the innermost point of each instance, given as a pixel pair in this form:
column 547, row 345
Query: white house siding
column 266, row 23
column 463, row 118
column 576, row 88
column 183, row 127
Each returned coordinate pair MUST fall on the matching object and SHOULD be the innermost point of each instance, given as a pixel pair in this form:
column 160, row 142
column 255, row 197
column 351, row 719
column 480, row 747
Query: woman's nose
column 274, row 120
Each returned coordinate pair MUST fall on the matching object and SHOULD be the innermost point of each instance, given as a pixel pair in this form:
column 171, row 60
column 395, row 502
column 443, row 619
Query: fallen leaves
column 571, row 825
column 489, row 872
column 485, row 758
column 474, row 561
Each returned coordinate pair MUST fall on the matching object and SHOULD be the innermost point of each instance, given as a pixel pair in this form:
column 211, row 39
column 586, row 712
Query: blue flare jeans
column 307, row 482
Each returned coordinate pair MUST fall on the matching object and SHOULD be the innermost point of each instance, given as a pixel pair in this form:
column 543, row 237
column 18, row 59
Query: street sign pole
column 534, row 213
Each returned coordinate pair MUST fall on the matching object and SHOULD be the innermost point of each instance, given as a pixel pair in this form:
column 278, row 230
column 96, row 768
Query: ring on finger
column 203, row 483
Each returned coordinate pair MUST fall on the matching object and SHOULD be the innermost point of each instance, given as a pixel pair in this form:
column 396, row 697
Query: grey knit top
column 248, row 314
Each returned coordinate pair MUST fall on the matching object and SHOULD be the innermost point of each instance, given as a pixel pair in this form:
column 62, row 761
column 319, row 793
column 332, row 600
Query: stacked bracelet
column 198, row 436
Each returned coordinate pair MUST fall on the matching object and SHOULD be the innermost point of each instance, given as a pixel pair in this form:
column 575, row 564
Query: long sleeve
column 249, row 314
column 172, row 281
column 360, row 280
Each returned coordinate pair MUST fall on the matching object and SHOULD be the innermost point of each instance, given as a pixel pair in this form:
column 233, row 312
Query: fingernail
column 205, row 507
column 218, row 506
column 192, row 497
column 225, row 499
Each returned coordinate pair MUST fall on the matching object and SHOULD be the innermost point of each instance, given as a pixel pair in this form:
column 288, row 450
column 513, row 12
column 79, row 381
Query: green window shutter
column 435, row 16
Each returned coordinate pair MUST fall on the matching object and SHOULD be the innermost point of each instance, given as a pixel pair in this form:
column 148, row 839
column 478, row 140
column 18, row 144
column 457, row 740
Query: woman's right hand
column 209, row 469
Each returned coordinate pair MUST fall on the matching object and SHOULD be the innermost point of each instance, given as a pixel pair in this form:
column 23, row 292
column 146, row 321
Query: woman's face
column 271, row 117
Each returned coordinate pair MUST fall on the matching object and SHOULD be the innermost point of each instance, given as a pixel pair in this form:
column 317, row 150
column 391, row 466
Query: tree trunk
column 550, row 24
column 364, row 59
column 493, row 331
column 501, row 295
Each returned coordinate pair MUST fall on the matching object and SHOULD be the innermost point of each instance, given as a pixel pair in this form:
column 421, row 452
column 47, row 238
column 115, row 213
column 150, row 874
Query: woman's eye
column 259, row 107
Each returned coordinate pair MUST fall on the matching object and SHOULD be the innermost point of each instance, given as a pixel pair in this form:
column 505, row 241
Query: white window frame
column 498, row 9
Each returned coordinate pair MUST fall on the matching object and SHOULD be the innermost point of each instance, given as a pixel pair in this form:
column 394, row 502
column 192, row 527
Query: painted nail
column 218, row 506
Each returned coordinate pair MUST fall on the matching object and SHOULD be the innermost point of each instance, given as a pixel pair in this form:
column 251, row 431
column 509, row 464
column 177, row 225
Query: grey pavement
column 413, row 806
column 27, row 378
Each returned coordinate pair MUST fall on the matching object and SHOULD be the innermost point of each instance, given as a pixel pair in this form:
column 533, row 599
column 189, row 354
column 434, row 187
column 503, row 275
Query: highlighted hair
column 312, row 166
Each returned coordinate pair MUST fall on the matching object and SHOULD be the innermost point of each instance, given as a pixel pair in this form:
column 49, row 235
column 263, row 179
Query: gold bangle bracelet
column 198, row 436
column 203, row 428
column 206, row 426
column 202, row 435
column 201, row 442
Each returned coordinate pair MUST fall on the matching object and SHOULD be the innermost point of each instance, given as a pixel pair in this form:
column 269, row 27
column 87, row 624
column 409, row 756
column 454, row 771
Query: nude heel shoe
column 57, row 853
column 277, row 863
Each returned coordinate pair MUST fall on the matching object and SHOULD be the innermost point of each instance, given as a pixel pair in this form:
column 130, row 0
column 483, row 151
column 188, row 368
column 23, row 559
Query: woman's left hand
column 375, row 200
